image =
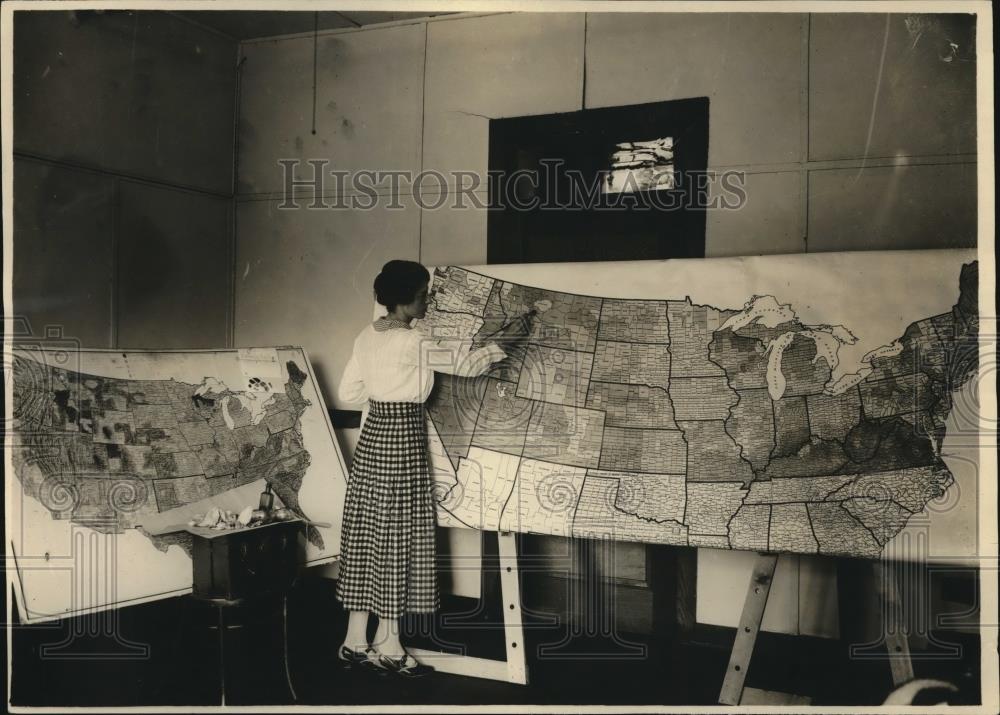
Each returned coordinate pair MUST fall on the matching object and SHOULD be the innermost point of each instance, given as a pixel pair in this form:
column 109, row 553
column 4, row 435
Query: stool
column 222, row 605
column 234, row 568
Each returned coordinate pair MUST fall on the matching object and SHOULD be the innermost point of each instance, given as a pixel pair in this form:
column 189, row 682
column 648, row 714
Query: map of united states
column 105, row 452
column 671, row 422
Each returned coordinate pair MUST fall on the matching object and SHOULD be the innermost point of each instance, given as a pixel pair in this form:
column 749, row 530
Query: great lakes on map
column 666, row 421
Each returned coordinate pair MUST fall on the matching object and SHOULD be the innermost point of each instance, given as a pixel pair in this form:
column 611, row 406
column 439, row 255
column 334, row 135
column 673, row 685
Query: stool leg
column 284, row 646
column 222, row 655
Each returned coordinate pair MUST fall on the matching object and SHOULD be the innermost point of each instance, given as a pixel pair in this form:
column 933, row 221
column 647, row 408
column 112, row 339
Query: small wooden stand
column 513, row 669
column 733, row 690
column 231, row 568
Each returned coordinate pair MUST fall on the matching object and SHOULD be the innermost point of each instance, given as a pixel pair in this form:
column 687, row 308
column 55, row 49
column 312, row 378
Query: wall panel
column 902, row 207
column 454, row 236
column 137, row 93
column 64, row 253
column 890, row 75
column 497, row 66
column 769, row 220
column 748, row 65
column 174, row 268
column 369, row 101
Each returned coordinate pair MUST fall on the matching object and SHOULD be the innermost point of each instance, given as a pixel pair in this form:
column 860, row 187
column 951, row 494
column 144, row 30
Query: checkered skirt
column 387, row 538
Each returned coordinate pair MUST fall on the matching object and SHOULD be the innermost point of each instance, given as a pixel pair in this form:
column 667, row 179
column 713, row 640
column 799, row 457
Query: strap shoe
column 406, row 667
column 361, row 660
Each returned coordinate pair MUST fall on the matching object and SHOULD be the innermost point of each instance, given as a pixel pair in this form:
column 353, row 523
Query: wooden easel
column 733, row 690
column 514, row 668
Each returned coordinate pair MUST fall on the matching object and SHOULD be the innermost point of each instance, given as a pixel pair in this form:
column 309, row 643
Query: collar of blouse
column 386, row 323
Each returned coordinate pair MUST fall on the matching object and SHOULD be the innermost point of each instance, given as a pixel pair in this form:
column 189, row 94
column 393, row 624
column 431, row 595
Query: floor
column 166, row 653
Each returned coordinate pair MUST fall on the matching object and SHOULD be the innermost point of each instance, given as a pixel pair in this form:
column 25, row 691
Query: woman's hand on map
column 495, row 352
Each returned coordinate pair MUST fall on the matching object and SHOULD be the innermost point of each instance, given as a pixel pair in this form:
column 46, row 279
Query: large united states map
column 668, row 421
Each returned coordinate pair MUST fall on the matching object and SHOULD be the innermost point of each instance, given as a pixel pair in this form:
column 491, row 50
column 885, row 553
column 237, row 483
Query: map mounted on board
column 121, row 449
column 669, row 421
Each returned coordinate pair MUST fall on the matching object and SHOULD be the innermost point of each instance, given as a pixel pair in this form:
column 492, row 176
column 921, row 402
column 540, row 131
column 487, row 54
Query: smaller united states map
column 107, row 452
column 667, row 421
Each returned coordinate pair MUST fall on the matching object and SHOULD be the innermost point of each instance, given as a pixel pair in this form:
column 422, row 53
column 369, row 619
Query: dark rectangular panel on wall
column 174, row 268
column 63, row 256
column 138, row 93
column 552, row 175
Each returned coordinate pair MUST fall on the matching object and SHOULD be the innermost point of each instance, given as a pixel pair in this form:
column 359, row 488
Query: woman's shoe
column 406, row 667
column 362, row 660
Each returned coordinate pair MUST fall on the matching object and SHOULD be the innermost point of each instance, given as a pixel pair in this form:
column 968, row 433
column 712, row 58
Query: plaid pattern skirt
column 387, row 538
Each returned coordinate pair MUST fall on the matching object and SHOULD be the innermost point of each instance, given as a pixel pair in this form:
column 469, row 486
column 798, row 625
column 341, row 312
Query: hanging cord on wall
column 315, row 51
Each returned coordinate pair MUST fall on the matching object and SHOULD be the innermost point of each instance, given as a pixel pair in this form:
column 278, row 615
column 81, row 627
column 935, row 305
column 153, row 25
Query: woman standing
column 387, row 541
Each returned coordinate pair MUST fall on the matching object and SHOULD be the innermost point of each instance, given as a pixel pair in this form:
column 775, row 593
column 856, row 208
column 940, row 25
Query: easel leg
column 746, row 635
column 510, row 594
column 514, row 668
column 896, row 643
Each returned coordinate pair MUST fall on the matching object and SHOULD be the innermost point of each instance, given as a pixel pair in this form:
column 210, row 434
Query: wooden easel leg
column 896, row 642
column 746, row 635
column 513, row 626
column 514, row 668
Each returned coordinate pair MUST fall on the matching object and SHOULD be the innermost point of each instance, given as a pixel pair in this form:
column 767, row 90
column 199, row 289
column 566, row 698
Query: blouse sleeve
column 455, row 357
column 352, row 385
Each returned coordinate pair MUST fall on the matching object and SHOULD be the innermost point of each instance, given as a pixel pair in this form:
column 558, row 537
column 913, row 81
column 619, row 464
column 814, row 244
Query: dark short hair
column 399, row 282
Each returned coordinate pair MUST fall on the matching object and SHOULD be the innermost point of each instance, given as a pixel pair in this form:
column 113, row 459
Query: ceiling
column 242, row 25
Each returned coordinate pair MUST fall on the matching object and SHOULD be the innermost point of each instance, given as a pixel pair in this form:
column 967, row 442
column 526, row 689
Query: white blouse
column 398, row 365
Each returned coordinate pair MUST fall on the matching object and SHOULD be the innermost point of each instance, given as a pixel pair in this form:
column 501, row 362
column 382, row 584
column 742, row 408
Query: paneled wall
column 853, row 132
column 303, row 275
column 123, row 161
column 836, row 155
